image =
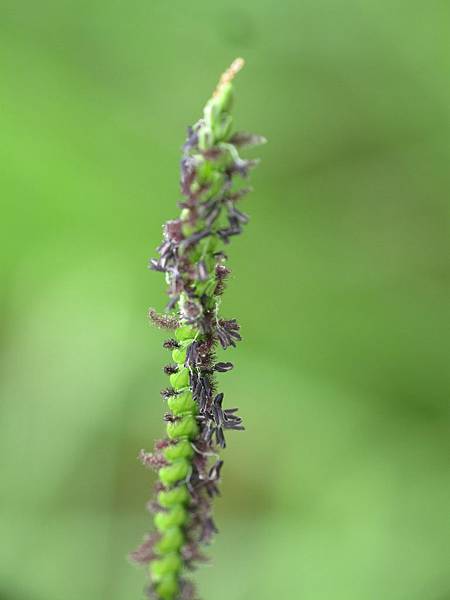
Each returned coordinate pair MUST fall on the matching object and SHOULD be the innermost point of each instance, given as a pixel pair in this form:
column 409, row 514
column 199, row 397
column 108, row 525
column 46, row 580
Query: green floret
column 182, row 449
column 184, row 427
column 180, row 379
column 170, row 498
column 171, row 541
column 182, row 403
column 178, row 471
column 174, row 518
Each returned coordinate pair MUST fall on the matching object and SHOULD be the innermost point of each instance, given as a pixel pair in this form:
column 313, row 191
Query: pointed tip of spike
column 229, row 74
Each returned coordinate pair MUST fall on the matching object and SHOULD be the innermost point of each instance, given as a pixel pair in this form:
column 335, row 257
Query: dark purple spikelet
column 222, row 273
column 171, row 344
column 173, row 230
column 223, row 367
column 228, row 333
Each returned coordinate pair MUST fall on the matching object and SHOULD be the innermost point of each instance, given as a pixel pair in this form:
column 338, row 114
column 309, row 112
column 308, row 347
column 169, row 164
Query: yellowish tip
column 229, row 74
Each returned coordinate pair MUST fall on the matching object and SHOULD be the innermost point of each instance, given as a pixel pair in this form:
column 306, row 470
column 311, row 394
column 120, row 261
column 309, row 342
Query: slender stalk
column 192, row 257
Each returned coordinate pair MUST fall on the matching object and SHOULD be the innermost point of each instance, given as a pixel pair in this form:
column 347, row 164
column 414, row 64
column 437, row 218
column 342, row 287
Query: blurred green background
column 336, row 491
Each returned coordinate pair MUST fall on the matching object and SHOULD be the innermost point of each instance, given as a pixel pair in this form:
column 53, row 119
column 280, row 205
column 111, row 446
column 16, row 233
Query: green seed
column 168, row 565
column 180, row 379
column 184, row 427
column 182, row 449
column 177, row 495
column 182, row 403
column 178, row 471
column 185, row 332
column 179, row 355
column 171, row 541
column 168, row 588
column 165, row 520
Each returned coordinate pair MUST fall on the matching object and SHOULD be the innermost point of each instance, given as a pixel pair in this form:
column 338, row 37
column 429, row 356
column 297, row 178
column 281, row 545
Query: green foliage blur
column 336, row 491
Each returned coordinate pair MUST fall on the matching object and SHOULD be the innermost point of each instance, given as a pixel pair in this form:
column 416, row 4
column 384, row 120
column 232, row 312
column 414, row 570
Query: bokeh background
column 336, row 491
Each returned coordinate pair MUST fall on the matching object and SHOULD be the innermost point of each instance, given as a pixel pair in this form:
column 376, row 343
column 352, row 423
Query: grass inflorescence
column 192, row 257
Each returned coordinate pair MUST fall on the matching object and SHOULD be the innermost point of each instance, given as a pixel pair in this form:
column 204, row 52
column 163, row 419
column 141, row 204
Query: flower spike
column 192, row 258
